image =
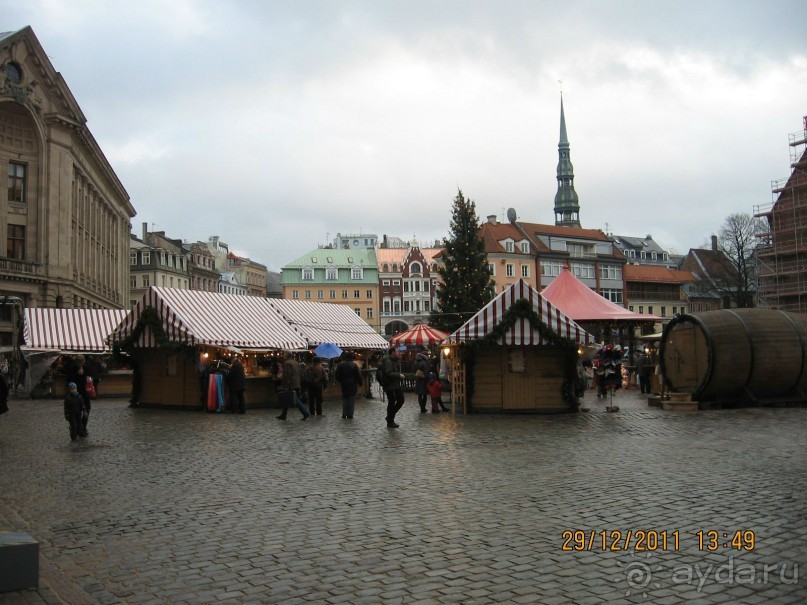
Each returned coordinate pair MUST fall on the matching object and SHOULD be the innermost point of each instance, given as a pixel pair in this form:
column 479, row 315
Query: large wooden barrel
column 736, row 354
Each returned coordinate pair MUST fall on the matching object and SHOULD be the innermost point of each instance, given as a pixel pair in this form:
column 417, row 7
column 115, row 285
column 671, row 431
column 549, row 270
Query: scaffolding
column 782, row 248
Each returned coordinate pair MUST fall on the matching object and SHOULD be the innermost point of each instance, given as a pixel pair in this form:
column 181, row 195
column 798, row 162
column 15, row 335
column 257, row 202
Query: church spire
column 567, row 207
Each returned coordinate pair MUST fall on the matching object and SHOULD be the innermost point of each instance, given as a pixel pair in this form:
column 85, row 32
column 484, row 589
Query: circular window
column 13, row 73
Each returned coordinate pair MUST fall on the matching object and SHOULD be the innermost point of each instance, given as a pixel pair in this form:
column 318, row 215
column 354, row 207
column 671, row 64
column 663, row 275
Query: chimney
column 145, row 231
column 492, row 219
column 714, row 243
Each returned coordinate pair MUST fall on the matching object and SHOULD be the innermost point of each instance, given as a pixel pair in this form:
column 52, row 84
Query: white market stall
column 50, row 332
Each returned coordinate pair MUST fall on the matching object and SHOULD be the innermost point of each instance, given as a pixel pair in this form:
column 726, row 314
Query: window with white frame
column 509, row 246
column 331, row 273
column 551, row 268
column 133, row 258
column 610, row 272
column 511, row 270
column 369, row 294
column 320, row 294
column 332, row 294
column 308, row 273
column 145, row 280
column 525, row 247
column 146, row 257
column 357, row 273
column 307, row 294
column 583, row 270
column 491, row 268
column 525, row 270
column 133, row 281
column 295, row 294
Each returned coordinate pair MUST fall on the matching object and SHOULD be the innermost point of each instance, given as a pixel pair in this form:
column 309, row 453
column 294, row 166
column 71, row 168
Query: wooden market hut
column 517, row 354
column 171, row 333
column 49, row 333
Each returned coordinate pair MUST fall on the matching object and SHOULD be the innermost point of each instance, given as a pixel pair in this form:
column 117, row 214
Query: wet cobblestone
column 161, row 506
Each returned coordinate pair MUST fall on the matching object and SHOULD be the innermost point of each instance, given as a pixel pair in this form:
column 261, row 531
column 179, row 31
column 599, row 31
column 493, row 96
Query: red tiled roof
column 649, row 273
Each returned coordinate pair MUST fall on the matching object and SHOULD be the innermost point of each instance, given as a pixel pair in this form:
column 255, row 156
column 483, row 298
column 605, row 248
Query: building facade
column 251, row 274
column 782, row 251
column 66, row 216
column 407, row 287
column 202, row 267
column 156, row 260
column 341, row 276
column 656, row 290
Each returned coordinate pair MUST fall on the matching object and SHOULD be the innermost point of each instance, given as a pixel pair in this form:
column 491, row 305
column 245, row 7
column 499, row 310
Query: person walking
column 237, row 382
column 349, row 377
column 291, row 386
column 74, row 411
column 78, row 372
column 391, row 378
column 315, row 378
column 645, row 369
column 421, row 375
column 4, row 387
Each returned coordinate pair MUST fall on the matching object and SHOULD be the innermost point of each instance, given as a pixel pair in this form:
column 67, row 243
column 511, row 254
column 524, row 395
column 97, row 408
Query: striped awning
column 208, row 318
column 328, row 322
column 70, row 330
column 522, row 332
column 419, row 334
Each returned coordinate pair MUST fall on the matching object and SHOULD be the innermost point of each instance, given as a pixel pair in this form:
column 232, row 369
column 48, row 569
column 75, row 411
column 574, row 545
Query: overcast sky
column 277, row 124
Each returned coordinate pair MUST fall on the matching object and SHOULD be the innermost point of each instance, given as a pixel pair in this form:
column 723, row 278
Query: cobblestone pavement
column 161, row 506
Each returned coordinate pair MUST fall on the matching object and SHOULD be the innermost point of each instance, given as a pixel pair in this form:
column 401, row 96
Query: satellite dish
column 511, row 215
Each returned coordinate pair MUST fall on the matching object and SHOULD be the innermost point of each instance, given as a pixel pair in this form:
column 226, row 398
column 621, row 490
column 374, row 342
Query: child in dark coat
column 74, row 411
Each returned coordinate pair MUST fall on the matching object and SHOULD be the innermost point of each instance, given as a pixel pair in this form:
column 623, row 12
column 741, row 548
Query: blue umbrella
column 327, row 350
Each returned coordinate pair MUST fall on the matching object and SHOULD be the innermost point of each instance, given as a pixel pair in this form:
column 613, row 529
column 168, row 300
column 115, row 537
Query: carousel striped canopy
column 419, row 334
column 522, row 332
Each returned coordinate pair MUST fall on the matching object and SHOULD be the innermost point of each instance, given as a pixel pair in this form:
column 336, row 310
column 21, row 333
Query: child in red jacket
column 435, row 389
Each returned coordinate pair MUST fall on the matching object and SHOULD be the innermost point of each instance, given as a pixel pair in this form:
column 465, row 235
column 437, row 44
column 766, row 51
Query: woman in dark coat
column 421, row 375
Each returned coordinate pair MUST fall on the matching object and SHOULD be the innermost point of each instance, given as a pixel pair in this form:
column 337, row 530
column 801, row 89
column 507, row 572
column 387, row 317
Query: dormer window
column 509, row 246
column 308, row 273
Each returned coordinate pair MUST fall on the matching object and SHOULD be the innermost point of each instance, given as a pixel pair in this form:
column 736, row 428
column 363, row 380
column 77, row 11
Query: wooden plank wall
column 538, row 388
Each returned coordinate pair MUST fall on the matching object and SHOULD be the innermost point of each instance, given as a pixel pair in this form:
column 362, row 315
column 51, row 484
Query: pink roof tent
column 581, row 303
column 522, row 332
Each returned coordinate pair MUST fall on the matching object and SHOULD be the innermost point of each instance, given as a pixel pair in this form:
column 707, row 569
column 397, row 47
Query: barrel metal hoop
column 750, row 346
column 801, row 342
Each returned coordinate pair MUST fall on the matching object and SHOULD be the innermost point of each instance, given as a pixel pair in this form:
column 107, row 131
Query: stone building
column 66, row 216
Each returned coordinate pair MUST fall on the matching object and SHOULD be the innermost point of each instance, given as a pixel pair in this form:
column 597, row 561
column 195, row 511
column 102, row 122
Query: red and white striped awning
column 419, row 334
column 522, row 332
column 70, row 330
column 209, row 318
column 328, row 322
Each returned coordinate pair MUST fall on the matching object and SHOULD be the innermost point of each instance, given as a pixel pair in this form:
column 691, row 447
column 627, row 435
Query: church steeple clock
column 567, row 207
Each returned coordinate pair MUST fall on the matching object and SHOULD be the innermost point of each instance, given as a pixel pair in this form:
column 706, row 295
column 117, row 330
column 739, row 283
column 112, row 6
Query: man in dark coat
column 349, row 376
column 237, row 382
column 392, row 386
column 422, row 370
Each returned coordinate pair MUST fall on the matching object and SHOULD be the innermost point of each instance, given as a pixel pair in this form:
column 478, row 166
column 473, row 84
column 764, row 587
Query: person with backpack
column 390, row 379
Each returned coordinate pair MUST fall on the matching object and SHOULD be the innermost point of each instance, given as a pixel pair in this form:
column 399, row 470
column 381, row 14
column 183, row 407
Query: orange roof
column 649, row 273
column 564, row 231
column 397, row 255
